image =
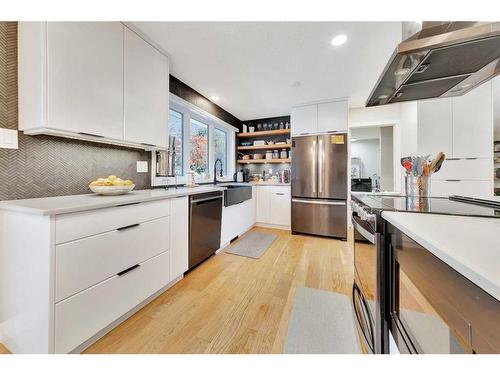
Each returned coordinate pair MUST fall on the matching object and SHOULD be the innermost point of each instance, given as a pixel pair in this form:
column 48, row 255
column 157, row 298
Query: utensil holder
column 418, row 186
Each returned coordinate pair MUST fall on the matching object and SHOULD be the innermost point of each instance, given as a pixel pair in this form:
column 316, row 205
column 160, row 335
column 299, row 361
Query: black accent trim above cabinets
column 180, row 89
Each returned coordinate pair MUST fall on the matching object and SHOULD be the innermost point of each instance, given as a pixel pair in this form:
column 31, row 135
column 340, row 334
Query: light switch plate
column 9, row 139
column 142, row 167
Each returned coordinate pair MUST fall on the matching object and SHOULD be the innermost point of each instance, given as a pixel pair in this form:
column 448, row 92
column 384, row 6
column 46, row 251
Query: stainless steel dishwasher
column 205, row 217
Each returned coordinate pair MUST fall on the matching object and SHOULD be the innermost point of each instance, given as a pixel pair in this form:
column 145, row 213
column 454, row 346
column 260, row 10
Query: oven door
column 423, row 321
column 366, row 291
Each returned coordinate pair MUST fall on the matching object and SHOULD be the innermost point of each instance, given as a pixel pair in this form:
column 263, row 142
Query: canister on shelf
column 269, row 154
column 283, row 154
column 276, row 154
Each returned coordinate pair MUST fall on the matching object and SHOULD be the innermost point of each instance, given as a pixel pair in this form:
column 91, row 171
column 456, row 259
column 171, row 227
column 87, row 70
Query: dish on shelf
column 257, row 156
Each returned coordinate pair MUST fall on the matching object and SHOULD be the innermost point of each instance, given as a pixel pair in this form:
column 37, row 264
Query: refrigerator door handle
column 320, row 165
column 315, row 153
column 328, row 203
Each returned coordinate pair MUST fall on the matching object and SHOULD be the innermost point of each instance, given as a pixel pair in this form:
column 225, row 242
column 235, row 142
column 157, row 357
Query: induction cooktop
column 432, row 205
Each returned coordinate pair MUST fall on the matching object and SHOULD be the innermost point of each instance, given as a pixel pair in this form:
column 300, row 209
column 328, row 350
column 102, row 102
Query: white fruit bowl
column 112, row 190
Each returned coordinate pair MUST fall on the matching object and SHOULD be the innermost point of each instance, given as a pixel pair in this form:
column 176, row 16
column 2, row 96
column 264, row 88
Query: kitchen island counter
column 470, row 245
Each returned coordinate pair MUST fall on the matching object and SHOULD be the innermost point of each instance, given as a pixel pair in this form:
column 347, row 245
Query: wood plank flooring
column 234, row 304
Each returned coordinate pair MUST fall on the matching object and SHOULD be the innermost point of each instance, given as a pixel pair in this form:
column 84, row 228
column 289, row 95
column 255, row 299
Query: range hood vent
column 441, row 60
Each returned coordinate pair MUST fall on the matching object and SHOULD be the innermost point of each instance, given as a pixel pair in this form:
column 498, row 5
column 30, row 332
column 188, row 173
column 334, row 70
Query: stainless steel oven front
column 368, row 291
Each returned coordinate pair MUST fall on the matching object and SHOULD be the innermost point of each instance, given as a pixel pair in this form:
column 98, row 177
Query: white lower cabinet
column 70, row 276
column 469, row 188
column 237, row 219
column 273, row 206
column 179, row 236
column 81, row 316
column 85, row 262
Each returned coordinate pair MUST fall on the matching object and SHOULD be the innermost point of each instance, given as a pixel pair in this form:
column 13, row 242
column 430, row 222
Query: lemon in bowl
column 111, row 185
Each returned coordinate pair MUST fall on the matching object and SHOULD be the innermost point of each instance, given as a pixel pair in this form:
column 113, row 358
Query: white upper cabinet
column 332, row 116
column 461, row 127
column 81, row 80
column 473, row 123
column 304, row 119
column 435, row 127
column 320, row 118
column 85, row 77
column 146, row 92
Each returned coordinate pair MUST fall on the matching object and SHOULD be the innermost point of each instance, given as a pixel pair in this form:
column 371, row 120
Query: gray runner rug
column 252, row 245
column 321, row 322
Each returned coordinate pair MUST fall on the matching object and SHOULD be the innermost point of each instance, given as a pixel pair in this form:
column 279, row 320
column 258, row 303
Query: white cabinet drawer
column 80, row 317
column 445, row 188
column 83, row 263
column 465, row 169
column 70, row 227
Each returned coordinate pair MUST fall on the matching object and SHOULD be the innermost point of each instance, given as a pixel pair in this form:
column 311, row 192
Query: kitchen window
column 220, row 143
column 201, row 138
column 176, row 129
column 198, row 137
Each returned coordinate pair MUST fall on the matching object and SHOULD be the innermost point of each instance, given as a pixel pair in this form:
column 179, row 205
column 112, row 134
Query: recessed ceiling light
column 339, row 40
column 214, row 98
column 353, row 139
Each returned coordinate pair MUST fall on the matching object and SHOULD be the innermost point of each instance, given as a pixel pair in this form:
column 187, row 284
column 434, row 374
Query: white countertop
column 470, row 245
column 75, row 203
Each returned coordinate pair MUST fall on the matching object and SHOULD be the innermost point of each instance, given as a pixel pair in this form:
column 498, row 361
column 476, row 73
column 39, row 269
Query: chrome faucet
column 215, row 170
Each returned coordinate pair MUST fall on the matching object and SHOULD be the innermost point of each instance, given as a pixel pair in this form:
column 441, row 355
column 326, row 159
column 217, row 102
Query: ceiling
column 262, row 69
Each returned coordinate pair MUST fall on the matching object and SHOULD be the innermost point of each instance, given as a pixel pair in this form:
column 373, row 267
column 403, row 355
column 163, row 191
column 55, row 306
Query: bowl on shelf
column 257, row 156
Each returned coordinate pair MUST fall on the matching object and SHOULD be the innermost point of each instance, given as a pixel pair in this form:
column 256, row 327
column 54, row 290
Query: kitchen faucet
column 215, row 170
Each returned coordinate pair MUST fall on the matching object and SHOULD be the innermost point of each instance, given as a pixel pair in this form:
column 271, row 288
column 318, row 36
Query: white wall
column 386, row 158
column 496, row 108
column 404, row 118
column 368, row 151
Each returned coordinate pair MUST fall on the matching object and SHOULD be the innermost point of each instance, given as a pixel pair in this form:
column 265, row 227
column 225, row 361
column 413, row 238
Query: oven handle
column 366, row 234
column 362, row 318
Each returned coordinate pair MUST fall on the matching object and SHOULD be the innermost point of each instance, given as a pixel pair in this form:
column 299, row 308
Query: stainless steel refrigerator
column 319, row 185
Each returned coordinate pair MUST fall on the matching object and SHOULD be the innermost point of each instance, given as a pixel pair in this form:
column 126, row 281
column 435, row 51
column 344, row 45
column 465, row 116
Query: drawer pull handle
column 127, row 204
column 128, row 227
column 280, row 193
column 128, row 270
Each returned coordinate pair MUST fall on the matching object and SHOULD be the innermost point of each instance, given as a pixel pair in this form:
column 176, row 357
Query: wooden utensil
column 437, row 162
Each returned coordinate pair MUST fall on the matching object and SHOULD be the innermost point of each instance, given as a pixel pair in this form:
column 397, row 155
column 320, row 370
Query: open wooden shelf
column 262, row 161
column 263, row 147
column 265, row 133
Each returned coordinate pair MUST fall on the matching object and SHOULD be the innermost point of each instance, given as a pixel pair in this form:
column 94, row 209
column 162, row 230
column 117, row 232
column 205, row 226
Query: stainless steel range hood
column 442, row 59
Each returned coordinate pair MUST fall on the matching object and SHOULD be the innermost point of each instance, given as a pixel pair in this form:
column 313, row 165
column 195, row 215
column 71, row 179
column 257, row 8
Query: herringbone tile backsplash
column 46, row 166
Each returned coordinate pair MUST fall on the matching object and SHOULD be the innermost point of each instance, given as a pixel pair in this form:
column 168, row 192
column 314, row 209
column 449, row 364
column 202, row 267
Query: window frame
column 189, row 111
column 183, row 133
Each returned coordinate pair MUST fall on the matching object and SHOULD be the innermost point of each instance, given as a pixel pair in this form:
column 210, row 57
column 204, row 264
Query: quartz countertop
column 470, row 245
column 76, row 203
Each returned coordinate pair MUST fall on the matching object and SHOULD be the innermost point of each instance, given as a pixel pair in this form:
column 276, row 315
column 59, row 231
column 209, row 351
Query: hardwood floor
column 234, row 304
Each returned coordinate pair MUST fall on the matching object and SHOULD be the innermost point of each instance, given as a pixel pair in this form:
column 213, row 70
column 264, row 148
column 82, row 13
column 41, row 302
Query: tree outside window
column 220, row 140
column 198, row 161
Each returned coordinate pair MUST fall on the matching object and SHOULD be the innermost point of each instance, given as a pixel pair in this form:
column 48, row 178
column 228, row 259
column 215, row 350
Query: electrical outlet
column 142, row 167
column 8, row 139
